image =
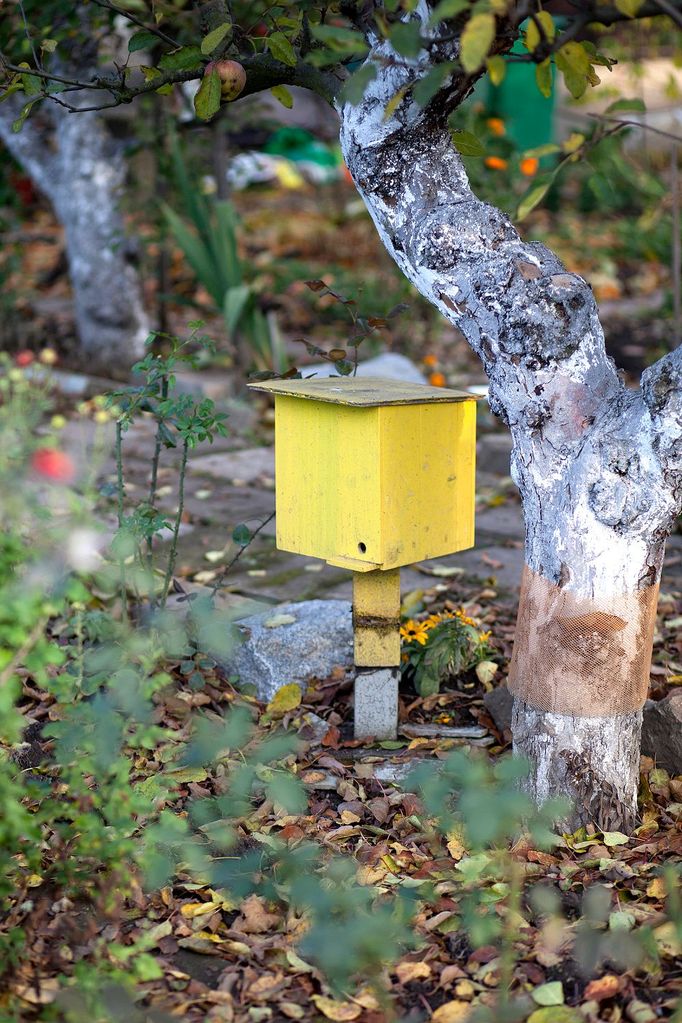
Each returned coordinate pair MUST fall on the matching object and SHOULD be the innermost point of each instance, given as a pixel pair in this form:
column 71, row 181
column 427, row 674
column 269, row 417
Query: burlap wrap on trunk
column 573, row 655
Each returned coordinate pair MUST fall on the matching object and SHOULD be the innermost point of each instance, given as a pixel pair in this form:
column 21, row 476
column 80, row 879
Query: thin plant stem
column 26, row 647
column 509, row 934
column 80, row 647
column 173, row 553
column 120, row 493
column 153, row 483
column 219, row 581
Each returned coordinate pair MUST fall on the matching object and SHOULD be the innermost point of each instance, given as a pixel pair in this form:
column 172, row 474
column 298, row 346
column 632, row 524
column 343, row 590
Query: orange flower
column 53, row 465
column 495, row 163
column 437, row 380
column 529, row 166
column 430, row 360
column 496, row 125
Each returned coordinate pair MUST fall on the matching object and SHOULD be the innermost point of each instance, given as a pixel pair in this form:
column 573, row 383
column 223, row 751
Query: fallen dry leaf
column 407, row 972
column 285, row 699
column 42, row 993
column 451, row 1012
column 338, row 1011
column 255, row 917
column 603, row 987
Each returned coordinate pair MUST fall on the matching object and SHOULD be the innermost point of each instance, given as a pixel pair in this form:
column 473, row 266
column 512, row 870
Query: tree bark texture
column 73, row 161
column 598, row 466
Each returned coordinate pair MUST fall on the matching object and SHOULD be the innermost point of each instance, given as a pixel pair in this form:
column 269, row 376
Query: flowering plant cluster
column 444, row 646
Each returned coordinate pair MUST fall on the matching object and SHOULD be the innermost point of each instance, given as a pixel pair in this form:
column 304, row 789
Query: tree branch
column 263, row 72
column 671, row 10
column 136, row 21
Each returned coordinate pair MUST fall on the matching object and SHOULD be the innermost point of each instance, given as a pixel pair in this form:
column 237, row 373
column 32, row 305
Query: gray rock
column 247, row 466
column 319, row 639
column 662, row 732
column 390, row 365
column 498, row 702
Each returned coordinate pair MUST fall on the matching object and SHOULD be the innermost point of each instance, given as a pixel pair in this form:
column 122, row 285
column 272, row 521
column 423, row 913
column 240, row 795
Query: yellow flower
column 48, row 356
column 484, row 637
column 414, row 632
column 465, row 619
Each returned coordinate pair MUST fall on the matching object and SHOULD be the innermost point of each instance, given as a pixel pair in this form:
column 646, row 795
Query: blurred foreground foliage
column 92, row 827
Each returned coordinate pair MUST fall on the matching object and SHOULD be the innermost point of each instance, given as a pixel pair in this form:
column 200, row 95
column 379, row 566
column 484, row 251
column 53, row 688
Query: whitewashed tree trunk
column 598, row 467
column 72, row 160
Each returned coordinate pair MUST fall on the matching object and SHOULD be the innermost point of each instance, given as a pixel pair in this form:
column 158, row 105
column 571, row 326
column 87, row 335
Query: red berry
column 24, row 358
column 53, row 465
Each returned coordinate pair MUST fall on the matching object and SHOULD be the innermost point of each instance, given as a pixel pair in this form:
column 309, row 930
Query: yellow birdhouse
column 373, row 474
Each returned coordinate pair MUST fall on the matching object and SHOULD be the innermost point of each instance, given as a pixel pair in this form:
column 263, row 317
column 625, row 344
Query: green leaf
column 427, row 87
column 573, row 61
column 477, row 38
column 236, row 299
column 497, row 69
column 621, row 920
column 342, row 40
column 551, row 993
column 31, row 83
column 281, row 49
column 283, row 96
column 426, row 684
column 214, row 38
column 354, row 87
column 184, row 775
column 467, row 144
column 626, row 104
column 241, row 534
column 25, row 111
column 207, row 99
column 533, row 36
column 48, row 45
column 394, row 102
column 555, row 1014
column 287, row 791
column 146, row 967
column 141, row 41
column 405, row 38
column 185, row 59
column 630, row 8
column 534, row 197
column 543, row 77
column 448, row 9
column 14, row 87
column 545, row 150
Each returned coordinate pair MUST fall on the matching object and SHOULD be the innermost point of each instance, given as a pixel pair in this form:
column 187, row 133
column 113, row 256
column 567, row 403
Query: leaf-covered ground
column 225, row 959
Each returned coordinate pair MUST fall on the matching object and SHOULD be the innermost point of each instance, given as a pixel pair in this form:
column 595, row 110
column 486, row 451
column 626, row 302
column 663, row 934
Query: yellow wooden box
column 373, row 474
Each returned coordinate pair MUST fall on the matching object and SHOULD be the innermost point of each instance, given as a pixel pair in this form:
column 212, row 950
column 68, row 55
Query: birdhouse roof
column 363, row 392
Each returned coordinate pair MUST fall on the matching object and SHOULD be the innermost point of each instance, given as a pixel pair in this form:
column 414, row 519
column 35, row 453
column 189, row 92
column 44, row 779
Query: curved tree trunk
column 598, row 467
column 72, row 160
